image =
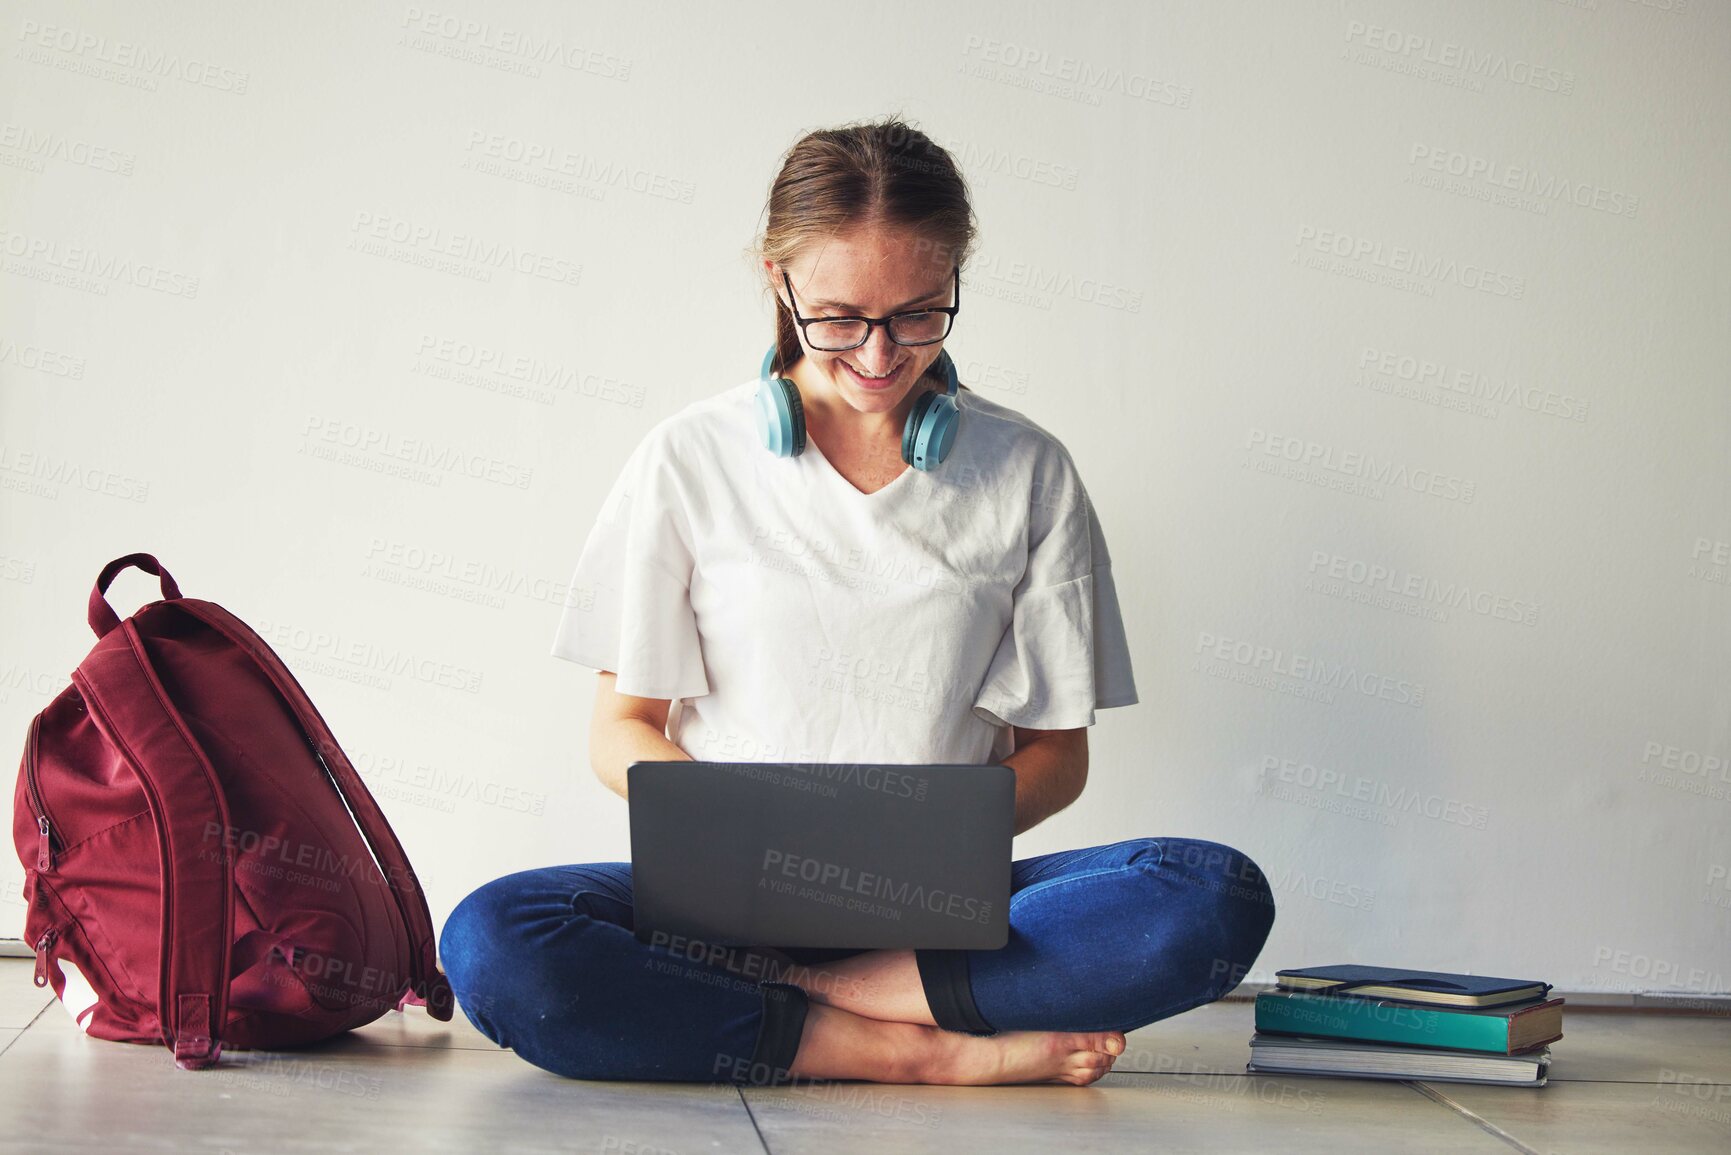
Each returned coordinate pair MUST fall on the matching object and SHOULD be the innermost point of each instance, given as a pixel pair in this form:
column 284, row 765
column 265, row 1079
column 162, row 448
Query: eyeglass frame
column 805, row 322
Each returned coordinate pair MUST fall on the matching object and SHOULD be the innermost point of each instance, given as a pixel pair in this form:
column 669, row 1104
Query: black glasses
column 838, row 334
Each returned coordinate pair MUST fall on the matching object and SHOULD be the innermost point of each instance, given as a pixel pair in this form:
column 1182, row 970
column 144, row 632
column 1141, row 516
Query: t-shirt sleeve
column 1064, row 653
column 628, row 607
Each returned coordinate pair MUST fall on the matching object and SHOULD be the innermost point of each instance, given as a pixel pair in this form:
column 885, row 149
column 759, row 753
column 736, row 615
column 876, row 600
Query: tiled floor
column 1621, row 1081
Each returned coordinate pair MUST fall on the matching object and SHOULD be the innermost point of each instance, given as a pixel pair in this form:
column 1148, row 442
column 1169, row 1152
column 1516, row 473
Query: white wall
column 1216, row 237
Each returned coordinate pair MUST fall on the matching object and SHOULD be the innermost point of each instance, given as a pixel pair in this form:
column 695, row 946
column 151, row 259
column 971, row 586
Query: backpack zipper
column 42, row 945
column 44, row 828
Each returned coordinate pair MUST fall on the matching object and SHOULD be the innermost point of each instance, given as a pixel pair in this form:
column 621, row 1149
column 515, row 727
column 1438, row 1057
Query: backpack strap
column 428, row 982
column 133, row 711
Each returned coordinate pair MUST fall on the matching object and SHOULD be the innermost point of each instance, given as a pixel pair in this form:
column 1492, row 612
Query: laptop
column 855, row 855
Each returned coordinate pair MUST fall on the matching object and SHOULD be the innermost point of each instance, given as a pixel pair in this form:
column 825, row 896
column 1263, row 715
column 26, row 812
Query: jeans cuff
column 784, row 1008
column 944, row 975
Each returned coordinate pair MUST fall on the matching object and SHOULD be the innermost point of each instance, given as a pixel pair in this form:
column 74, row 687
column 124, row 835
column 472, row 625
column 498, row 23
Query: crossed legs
column 1103, row 940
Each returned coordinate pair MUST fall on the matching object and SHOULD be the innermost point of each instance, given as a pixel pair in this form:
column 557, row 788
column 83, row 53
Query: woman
column 835, row 603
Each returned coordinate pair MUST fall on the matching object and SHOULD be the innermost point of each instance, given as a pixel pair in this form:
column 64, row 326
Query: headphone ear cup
column 780, row 416
column 795, row 413
column 911, row 431
column 935, row 428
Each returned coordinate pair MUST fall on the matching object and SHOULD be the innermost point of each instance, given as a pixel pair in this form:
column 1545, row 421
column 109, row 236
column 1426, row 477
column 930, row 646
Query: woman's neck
column 828, row 411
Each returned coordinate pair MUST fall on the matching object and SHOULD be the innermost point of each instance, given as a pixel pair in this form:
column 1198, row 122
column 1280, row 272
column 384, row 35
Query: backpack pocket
column 81, row 981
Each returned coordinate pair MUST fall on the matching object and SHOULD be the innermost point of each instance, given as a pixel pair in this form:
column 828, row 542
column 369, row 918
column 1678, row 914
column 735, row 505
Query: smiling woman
column 748, row 605
column 870, row 225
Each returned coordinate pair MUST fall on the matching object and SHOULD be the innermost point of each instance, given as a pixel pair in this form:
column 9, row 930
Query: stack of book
column 1390, row 1023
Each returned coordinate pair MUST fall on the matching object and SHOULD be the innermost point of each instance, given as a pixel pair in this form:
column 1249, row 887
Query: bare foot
column 837, row 1044
column 1077, row 1057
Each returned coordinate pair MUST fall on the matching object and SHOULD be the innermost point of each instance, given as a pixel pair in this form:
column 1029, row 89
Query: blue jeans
column 1109, row 937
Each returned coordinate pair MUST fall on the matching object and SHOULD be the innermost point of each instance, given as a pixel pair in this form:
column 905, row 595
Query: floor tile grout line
column 376, row 1043
column 1430, row 1092
column 752, row 1115
column 1631, row 1082
column 33, row 1018
column 1554, row 1078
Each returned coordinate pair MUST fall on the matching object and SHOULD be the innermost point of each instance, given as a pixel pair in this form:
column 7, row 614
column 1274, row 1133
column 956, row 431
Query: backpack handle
column 102, row 615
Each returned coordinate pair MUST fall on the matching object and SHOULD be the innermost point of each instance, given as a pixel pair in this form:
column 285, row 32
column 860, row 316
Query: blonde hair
column 834, row 180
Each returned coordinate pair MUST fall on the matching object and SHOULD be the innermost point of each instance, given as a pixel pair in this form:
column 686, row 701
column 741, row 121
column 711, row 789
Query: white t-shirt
column 792, row 618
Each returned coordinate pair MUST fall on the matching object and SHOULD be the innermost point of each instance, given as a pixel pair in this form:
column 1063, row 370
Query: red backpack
column 193, row 874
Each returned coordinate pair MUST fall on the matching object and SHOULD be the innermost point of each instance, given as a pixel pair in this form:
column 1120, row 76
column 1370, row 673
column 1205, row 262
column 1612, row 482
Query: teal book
column 1503, row 1030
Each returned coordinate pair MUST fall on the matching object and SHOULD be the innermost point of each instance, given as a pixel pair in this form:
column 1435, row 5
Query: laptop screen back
column 852, row 855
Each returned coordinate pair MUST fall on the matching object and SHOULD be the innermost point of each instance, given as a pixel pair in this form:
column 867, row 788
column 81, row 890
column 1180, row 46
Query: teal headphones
column 926, row 440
